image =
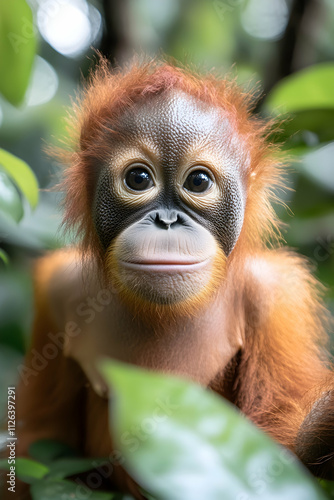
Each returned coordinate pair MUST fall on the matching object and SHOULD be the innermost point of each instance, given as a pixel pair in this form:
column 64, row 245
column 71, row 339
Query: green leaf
column 17, row 49
column 21, row 174
column 310, row 88
column 66, row 467
column 308, row 98
column 66, row 490
column 180, row 441
column 4, row 257
column 10, row 200
column 27, row 470
column 48, row 450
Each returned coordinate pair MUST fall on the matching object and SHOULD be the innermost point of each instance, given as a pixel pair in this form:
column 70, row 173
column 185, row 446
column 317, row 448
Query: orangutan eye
column 198, row 181
column 139, row 179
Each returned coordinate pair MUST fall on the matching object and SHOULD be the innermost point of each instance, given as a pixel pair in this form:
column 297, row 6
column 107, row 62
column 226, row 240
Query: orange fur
column 285, row 355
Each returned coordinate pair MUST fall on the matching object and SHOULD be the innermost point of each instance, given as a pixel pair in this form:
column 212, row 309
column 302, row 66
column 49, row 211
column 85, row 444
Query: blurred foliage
column 17, row 49
column 44, row 48
column 176, row 448
column 23, row 177
column 317, row 84
column 173, row 447
column 50, row 464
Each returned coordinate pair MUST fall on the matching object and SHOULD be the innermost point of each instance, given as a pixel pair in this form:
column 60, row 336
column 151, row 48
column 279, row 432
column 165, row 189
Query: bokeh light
column 70, row 27
column 44, row 83
column 265, row 19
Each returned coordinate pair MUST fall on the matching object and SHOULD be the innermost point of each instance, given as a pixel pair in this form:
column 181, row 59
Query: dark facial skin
column 168, row 129
column 176, row 144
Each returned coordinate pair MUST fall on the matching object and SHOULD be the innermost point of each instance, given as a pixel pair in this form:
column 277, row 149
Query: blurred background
column 283, row 48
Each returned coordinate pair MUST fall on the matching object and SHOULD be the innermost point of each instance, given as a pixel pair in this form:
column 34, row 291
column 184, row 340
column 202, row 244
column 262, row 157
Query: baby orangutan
column 168, row 184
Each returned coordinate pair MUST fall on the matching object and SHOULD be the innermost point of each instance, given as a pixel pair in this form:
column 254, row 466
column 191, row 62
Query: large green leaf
column 17, row 49
column 66, row 490
column 10, row 200
column 311, row 88
column 180, row 441
column 21, row 174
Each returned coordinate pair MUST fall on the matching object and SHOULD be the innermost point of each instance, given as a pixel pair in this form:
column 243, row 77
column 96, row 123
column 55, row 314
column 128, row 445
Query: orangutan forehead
column 176, row 124
column 174, row 119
